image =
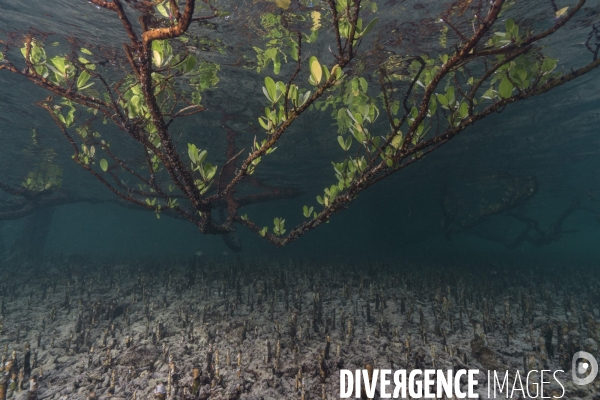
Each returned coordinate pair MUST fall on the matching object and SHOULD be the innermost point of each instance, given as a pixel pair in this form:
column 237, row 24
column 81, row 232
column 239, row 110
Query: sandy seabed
column 262, row 329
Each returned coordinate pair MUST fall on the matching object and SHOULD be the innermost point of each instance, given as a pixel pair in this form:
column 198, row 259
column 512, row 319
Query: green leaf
column 442, row 99
column 271, row 89
column 261, row 121
column 87, row 63
column 450, row 95
column 464, row 110
column 561, row 12
column 397, row 141
column 162, row 10
column 209, row 171
column 307, row 211
column 369, row 27
column 196, row 98
column 506, row 87
column 549, row 64
column 345, row 144
column 305, row 98
column 104, row 165
column 42, row 70
column 510, row 24
column 202, row 156
column 135, row 103
column 193, row 152
column 82, row 80
column 280, row 90
column 276, row 64
column 60, row 64
column 316, row 72
column 189, row 64
column 85, row 51
column 279, row 226
column 363, row 84
column 432, row 107
column 38, row 55
column 157, row 58
column 489, row 94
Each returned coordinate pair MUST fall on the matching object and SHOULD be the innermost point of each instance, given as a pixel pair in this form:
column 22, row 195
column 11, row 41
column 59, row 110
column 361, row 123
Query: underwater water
column 482, row 255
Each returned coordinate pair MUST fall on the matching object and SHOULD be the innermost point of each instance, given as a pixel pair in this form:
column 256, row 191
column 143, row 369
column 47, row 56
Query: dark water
column 551, row 138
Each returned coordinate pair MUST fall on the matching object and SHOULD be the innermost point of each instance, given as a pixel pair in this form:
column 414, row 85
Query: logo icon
column 587, row 366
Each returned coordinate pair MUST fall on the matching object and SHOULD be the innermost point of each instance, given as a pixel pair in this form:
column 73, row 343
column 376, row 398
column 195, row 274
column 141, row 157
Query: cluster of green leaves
column 200, row 76
column 65, row 112
column 158, row 207
column 170, row 68
column 308, row 212
column 279, row 45
column 280, row 42
column 275, row 114
column 162, row 53
column 59, row 69
column 320, row 72
column 263, row 231
column 422, row 72
column 329, row 195
column 349, row 97
column 46, row 176
column 206, row 171
column 459, row 109
column 279, row 229
column 164, row 8
column 518, row 74
column 360, row 113
column 87, row 155
column 352, row 107
column 275, row 91
column 359, row 121
column 134, row 103
column 257, row 160
column 346, row 170
column 511, row 35
column 155, row 205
